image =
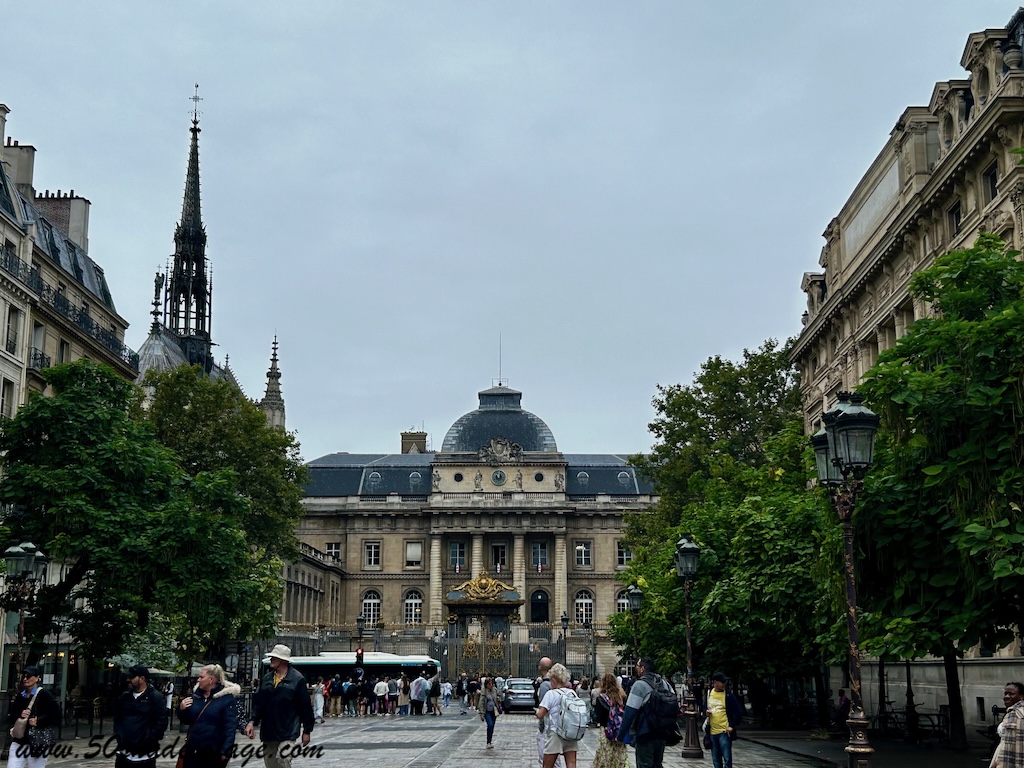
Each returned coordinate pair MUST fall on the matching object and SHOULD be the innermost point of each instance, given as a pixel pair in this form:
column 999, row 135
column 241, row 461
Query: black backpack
column 662, row 709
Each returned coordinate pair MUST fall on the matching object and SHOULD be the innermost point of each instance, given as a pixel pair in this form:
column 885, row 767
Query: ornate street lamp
column 26, row 568
column 360, row 626
column 635, row 598
column 687, row 560
column 843, row 452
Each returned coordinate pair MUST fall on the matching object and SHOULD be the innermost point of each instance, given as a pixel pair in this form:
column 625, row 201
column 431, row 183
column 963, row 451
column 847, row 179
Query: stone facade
column 391, row 536
column 54, row 302
column 946, row 174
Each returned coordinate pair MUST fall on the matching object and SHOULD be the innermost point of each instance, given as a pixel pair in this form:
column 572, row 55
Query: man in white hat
column 281, row 708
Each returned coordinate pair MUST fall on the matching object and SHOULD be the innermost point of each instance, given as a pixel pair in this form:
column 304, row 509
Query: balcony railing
column 37, row 359
column 11, row 264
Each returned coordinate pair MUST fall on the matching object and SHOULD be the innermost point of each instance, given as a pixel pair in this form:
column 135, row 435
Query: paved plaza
column 457, row 741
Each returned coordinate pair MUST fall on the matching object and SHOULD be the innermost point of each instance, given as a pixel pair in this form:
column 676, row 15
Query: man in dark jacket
column 650, row 747
column 281, row 707
column 140, row 720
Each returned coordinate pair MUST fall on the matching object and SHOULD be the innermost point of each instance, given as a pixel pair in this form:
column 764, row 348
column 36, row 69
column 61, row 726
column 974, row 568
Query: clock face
column 498, row 477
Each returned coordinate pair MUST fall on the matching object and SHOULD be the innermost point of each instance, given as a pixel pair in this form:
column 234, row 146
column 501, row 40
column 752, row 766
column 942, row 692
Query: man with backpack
column 650, row 715
column 337, row 699
column 724, row 713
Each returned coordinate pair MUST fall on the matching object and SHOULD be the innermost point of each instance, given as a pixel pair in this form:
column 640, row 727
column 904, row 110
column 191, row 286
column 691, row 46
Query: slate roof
column 500, row 415
column 72, row 258
column 380, row 474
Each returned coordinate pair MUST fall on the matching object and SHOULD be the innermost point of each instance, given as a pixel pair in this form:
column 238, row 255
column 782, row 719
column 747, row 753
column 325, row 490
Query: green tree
column 86, row 483
column 731, row 468
column 212, row 426
column 940, row 525
column 91, row 485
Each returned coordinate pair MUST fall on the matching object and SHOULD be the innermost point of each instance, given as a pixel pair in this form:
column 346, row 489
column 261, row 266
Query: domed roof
column 159, row 352
column 500, row 415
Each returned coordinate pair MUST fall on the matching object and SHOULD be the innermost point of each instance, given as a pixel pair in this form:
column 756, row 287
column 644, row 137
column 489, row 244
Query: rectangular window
column 414, row 554
column 989, row 183
column 584, row 555
column 6, row 398
column 457, row 555
column 63, row 352
column 498, row 557
column 955, row 216
column 540, row 555
column 371, row 554
column 13, row 329
column 624, row 555
column 334, row 549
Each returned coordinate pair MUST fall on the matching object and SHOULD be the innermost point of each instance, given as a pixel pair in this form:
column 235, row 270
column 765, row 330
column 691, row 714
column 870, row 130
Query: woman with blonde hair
column 212, row 718
column 550, row 711
column 611, row 703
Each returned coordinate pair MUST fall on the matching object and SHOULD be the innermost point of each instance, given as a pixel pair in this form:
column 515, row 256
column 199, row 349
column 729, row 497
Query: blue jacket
column 213, row 733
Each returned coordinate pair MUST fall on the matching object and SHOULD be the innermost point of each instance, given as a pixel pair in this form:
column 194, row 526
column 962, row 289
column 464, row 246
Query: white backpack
column 572, row 725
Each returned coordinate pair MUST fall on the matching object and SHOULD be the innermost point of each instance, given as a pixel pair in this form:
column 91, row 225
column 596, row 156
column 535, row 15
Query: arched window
column 413, row 613
column 621, row 602
column 539, row 607
column 371, row 607
column 584, row 607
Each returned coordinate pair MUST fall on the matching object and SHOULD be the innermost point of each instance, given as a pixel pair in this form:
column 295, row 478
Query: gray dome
column 159, row 352
column 500, row 415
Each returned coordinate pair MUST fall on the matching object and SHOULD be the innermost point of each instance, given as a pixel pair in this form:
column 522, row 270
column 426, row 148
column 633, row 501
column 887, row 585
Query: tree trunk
column 957, row 728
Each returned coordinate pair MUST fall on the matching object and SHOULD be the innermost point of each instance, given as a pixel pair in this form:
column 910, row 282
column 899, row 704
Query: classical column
column 561, row 579
column 436, row 608
column 477, row 556
column 519, row 573
column 899, row 323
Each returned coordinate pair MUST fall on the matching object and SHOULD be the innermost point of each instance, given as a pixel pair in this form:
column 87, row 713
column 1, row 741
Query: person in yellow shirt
column 724, row 713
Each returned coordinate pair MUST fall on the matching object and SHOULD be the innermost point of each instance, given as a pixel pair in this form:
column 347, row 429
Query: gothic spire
column 189, row 294
column 273, row 401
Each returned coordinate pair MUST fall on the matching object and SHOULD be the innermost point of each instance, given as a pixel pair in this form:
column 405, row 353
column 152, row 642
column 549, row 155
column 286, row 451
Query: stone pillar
column 477, row 555
column 899, row 323
column 519, row 573
column 436, row 596
column 561, row 579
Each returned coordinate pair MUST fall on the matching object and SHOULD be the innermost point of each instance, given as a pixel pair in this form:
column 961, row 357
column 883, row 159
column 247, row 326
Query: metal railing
column 11, row 264
column 37, row 359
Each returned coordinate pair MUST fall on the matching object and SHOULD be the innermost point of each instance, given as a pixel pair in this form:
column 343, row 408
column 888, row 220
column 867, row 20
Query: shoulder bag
column 20, row 727
column 181, row 754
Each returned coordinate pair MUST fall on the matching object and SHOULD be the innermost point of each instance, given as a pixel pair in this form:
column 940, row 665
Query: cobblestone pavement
column 449, row 741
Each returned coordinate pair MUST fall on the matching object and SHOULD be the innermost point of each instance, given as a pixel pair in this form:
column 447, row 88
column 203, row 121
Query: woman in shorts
column 550, row 711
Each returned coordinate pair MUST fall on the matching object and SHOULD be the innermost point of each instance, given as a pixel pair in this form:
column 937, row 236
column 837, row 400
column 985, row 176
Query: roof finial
column 500, row 381
column 158, row 283
column 195, row 105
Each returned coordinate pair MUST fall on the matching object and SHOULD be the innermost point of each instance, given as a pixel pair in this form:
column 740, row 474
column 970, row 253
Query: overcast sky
column 616, row 190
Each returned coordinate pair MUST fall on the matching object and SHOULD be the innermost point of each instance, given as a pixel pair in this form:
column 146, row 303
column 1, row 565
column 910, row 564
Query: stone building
column 493, row 539
column 946, row 174
column 55, row 308
column 55, row 305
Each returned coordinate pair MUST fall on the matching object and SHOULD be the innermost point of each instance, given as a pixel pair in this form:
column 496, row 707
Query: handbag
column 42, row 737
column 707, row 739
column 20, row 727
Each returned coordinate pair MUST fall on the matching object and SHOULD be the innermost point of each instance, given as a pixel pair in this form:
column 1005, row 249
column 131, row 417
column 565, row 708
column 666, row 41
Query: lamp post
column 26, row 567
column 592, row 671
column 565, row 638
column 843, row 453
column 635, row 597
column 687, row 560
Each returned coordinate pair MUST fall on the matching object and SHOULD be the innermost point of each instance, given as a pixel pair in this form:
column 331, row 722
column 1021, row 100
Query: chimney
column 69, row 213
column 414, row 442
column 20, row 162
column 4, row 112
